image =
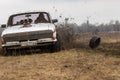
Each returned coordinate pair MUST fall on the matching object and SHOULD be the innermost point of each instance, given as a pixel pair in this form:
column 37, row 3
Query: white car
column 32, row 29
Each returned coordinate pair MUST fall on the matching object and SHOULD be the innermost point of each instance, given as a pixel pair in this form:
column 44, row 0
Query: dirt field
column 102, row 63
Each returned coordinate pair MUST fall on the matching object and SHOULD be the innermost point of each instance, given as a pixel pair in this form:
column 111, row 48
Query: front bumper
column 39, row 42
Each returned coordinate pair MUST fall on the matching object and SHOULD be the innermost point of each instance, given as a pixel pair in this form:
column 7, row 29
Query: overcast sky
column 101, row 11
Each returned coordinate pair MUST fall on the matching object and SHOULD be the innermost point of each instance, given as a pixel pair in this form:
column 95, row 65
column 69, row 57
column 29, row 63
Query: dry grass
column 75, row 64
column 80, row 63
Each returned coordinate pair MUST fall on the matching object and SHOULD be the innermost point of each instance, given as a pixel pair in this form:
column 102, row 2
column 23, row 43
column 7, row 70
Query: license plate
column 29, row 43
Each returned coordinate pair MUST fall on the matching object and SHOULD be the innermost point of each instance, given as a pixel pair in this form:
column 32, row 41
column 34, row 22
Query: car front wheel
column 56, row 46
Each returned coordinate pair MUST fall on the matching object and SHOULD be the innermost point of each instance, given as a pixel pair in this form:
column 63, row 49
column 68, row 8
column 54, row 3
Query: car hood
column 29, row 28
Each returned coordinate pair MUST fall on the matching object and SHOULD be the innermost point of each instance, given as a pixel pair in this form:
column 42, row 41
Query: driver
column 40, row 19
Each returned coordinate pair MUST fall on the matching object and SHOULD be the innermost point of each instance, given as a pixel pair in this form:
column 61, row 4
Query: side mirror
column 3, row 26
column 54, row 20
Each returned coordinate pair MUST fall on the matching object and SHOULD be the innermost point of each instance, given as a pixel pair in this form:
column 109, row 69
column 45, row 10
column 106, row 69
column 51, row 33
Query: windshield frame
column 10, row 20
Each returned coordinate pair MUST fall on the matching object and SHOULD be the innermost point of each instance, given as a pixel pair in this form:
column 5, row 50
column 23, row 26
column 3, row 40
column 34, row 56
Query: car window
column 20, row 19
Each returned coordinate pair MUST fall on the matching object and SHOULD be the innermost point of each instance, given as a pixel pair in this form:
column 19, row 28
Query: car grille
column 28, row 36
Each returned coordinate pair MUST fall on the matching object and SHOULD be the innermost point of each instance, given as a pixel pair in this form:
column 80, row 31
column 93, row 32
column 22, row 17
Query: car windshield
column 19, row 19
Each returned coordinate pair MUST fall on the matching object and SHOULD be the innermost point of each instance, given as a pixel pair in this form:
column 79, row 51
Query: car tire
column 56, row 47
column 4, row 52
column 94, row 42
